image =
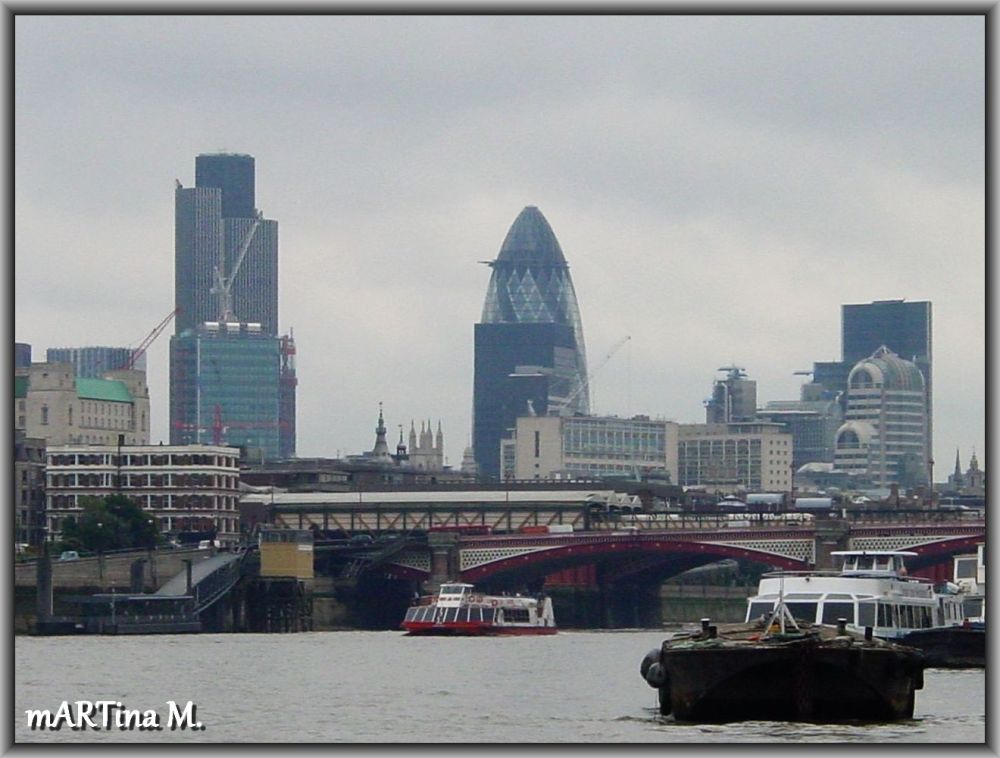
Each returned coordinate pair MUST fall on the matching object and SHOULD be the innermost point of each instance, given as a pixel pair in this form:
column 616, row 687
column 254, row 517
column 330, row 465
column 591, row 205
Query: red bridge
column 655, row 554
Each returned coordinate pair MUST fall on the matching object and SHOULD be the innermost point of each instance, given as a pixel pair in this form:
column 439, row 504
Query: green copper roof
column 20, row 386
column 102, row 389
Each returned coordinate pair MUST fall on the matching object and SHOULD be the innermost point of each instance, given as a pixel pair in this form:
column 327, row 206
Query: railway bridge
column 509, row 540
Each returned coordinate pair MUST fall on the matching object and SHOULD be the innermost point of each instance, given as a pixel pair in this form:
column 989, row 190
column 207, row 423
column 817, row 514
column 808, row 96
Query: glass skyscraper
column 232, row 378
column 225, row 388
column 214, row 220
column 529, row 349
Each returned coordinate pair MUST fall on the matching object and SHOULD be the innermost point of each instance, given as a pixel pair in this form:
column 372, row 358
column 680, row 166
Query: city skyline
column 720, row 186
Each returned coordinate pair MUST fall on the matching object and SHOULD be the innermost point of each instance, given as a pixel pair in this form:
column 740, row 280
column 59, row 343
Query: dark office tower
column 226, row 253
column 904, row 328
column 232, row 378
column 529, row 349
column 22, row 355
column 234, row 175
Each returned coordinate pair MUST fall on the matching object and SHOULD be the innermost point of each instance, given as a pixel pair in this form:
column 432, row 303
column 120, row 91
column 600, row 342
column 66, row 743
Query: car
column 69, row 555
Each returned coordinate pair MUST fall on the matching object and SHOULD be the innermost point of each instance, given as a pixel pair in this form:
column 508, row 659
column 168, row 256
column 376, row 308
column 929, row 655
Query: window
column 45, row 415
column 834, row 611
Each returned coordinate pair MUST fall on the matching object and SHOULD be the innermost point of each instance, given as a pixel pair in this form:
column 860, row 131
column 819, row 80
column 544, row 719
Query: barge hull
column 793, row 682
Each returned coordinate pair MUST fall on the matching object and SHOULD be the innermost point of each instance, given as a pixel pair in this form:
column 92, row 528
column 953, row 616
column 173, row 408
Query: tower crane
column 223, row 286
column 586, row 381
column 144, row 345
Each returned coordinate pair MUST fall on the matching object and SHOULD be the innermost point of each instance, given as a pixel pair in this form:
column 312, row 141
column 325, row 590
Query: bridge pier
column 444, row 559
column 830, row 535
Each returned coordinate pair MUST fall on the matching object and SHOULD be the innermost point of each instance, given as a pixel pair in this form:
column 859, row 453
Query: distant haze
column 719, row 185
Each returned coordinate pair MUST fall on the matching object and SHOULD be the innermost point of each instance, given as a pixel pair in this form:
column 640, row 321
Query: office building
column 53, row 404
column 812, row 420
column 734, row 399
column 905, row 328
column 93, row 362
column 232, row 377
column 529, row 349
column 225, row 388
column 184, row 488
column 29, row 489
column 579, row 447
column 730, row 458
column 22, row 355
column 883, row 437
column 225, row 252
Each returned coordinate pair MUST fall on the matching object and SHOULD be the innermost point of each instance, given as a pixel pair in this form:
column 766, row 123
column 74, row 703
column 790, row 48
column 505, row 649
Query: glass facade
column 529, row 348
column 225, row 389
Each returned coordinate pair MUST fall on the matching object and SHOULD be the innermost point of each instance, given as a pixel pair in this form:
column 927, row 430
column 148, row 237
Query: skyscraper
column 529, row 349
column 232, row 378
column 220, row 234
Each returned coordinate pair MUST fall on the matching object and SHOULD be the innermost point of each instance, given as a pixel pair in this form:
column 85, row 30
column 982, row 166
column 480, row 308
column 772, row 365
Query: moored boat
column 457, row 609
column 767, row 670
column 872, row 590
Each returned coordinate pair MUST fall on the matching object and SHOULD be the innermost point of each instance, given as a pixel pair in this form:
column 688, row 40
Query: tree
column 111, row 523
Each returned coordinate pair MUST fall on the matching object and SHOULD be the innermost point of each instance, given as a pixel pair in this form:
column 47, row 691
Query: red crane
column 144, row 345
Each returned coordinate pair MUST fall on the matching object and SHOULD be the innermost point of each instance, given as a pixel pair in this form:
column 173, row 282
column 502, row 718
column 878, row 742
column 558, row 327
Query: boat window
column 451, row 615
column 427, row 613
column 834, row 611
column 802, row 596
column 839, row 596
column 965, row 569
column 803, row 611
column 866, row 614
column 884, row 615
column 760, row 609
column 410, row 613
column 973, row 607
column 489, row 615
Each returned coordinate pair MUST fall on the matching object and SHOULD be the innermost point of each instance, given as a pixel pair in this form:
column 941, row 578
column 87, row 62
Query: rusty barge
column 768, row 671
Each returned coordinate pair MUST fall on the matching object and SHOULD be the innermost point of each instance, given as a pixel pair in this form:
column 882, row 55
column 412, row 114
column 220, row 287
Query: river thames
column 384, row 687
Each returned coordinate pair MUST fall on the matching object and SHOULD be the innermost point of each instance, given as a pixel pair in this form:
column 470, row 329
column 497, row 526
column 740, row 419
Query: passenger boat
column 457, row 609
column 873, row 590
column 778, row 669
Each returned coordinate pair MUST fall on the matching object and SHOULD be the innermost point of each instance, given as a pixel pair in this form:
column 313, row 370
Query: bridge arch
column 625, row 558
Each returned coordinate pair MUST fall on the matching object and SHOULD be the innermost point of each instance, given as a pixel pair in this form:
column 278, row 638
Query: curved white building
column 884, row 435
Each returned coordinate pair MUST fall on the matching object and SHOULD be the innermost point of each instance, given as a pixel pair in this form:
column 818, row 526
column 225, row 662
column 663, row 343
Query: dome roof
column 887, row 370
column 531, row 239
column 860, row 431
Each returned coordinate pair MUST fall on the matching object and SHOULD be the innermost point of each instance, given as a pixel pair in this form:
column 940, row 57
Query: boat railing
column 858, row 574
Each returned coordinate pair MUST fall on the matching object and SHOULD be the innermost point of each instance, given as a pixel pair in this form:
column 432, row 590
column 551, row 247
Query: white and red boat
column 457, row 609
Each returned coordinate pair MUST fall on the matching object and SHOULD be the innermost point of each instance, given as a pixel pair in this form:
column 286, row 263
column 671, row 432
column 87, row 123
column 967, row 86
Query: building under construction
column 232, row 378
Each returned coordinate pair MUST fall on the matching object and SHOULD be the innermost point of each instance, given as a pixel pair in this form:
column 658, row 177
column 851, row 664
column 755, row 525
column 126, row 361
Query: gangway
column 211, row 579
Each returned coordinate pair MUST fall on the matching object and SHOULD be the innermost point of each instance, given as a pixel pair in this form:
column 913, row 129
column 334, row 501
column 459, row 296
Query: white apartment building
column 753, row 457
column 572, row 447
column 184, row 487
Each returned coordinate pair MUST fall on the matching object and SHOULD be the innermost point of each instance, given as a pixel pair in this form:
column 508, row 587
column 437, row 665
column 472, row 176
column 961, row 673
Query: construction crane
column 138, row 352
column 223, row 286
column 586, row 382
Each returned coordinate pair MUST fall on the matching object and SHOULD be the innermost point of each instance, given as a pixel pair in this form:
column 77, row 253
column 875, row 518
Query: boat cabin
column 872, row 562
column 870, row 590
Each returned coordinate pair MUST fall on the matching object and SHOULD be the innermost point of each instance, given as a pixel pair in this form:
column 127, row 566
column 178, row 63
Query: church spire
column 381, row 449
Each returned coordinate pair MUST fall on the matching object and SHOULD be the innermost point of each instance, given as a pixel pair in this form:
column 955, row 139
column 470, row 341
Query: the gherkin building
column 529, row 349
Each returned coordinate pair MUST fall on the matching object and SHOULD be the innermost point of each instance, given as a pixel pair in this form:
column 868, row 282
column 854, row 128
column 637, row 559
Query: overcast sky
column 720, row 185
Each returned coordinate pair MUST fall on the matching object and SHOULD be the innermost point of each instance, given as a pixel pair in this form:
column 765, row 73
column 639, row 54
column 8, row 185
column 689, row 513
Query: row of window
column 132, row 459
column 130, row 481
